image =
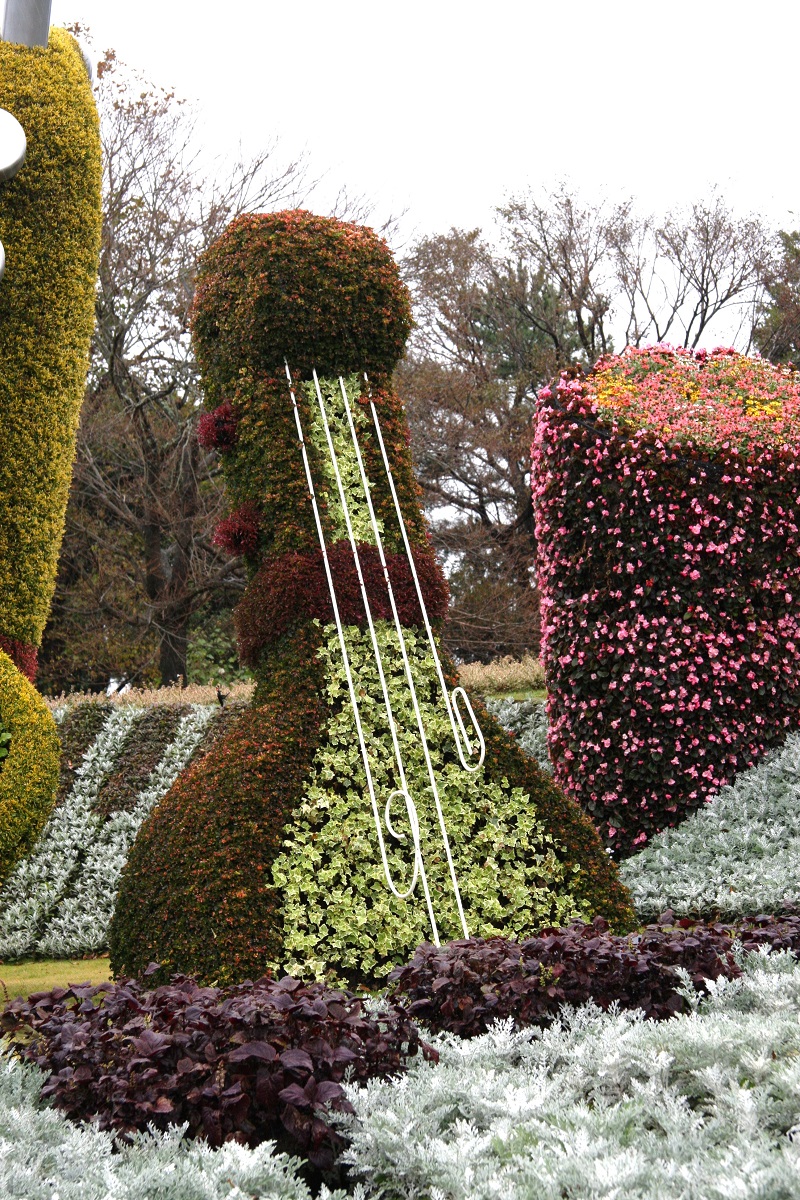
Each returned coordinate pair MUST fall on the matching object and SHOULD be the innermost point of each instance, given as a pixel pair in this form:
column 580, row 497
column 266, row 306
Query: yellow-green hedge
column 50, row 221
column 29, row 775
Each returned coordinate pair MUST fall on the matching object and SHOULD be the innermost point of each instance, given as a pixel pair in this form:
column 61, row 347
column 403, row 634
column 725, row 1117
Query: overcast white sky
column 445, row 109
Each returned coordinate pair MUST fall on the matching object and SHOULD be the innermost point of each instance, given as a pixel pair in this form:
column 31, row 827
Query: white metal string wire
column 404, row 653
column 450, row 698
column 419, row 868
column 402, row 791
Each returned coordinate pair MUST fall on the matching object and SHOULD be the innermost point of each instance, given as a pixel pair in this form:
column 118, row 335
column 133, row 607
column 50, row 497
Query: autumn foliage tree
column 562, row 282
column 469, row 382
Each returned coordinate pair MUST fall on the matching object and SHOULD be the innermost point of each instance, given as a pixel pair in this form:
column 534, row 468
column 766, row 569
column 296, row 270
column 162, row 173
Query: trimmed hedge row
column 141, row 752
column 76, row 733
column 117, row 761
column 29, row 774
column 464, row 987
column 50, row 227
column 666, row 492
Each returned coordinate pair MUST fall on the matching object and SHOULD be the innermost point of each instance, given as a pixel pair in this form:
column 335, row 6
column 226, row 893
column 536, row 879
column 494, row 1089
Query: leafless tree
column 569, row 245
column 676, row 276
column 495, row 323
column 138, row 553
column 614, row 269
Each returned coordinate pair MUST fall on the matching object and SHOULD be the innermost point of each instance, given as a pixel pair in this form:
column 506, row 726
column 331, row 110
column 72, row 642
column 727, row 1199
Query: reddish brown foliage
column 465, row 986
column 293, row 588
column 319, row 292
column 217, row 430
column 21, row 654
column 238, row 533
column 257, row 1061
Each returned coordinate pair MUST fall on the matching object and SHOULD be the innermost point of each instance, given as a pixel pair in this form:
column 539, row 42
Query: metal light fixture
column 13, row 146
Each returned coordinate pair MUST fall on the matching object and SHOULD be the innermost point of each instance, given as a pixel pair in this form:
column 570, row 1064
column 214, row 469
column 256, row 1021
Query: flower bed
column 624, row 1130
column 44, row 1155
column 666, row 492
column 603, row 1104
column 257, row 1061
column 739, row 854
column 58, row 901
column 607, row 1105
column 466, row 986
column 587, row 1108
column 736, row 856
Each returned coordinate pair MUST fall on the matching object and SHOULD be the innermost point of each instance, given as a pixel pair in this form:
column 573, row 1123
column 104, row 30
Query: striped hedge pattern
column 117, row 763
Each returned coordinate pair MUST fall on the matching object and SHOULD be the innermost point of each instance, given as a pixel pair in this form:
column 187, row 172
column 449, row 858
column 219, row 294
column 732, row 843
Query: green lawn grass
column 536, row 694
column 20, row 979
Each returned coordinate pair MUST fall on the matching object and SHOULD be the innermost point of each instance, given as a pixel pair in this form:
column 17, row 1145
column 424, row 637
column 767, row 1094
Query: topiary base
column 264, row 856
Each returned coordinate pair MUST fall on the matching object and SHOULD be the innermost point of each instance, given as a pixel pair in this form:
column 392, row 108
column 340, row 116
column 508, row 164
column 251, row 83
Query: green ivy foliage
column 339, row 429
column 340, row 918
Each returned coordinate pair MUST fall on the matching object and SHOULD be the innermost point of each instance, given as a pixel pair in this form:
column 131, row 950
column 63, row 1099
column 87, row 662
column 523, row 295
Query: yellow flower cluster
column 715, row 399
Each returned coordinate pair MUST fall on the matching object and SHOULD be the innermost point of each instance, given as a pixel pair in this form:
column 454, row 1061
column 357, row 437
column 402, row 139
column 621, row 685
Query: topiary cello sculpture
column 357, row 808
column 50, row 230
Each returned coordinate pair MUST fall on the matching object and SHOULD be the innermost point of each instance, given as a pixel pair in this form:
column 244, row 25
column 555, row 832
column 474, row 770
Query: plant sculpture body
column 276, row 850
column 50, row 229
column 666, row 488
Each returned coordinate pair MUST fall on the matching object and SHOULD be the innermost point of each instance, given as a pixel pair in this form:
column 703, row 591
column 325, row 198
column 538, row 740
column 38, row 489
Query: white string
column 403, row 650
column 419, row 868
column 450, row 699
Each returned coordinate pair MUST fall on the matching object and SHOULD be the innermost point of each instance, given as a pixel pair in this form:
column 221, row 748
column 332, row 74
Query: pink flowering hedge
column 667, row 493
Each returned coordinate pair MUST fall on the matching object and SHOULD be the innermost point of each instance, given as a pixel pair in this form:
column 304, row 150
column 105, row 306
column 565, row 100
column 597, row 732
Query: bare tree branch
column 138, row 562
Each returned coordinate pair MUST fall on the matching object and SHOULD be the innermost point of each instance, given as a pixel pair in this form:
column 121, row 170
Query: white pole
column 27, row 22
column 456, row 720
column 403, row 789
